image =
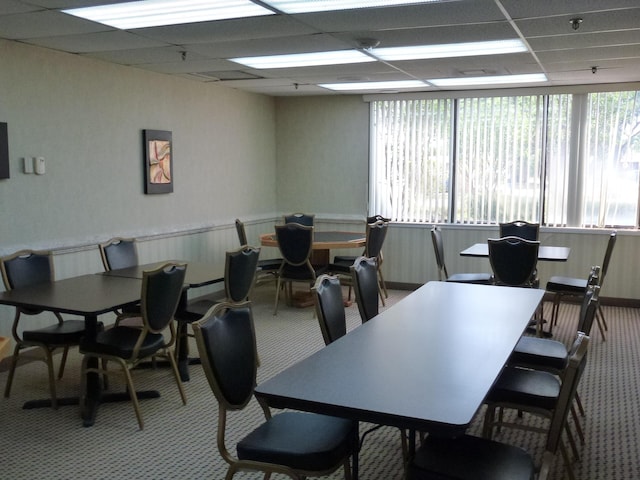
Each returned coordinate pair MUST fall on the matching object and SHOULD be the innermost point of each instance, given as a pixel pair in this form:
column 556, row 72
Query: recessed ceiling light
column 153, row 13
column 353, row 86
column 339, row 57
column 307, row 6
column 448, row 50
column 489, row 80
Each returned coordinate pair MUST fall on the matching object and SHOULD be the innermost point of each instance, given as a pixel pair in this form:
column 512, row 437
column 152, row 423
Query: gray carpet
column 178, row 441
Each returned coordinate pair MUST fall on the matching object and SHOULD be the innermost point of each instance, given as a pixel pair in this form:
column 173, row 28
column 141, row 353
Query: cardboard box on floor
column 4, row 347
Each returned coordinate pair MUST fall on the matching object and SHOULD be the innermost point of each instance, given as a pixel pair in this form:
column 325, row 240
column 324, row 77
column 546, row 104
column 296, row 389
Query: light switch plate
column 27, row 163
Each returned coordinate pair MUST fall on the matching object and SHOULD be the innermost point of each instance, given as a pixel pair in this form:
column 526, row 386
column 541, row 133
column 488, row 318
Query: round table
column 323, row 242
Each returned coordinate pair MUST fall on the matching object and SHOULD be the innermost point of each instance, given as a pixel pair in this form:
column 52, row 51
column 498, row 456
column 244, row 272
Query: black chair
column 541, row 394
column 329, row 307
column 564, row 287
column 443, row 274
column 471, row 458
column 119, row 253
column 23, row 269
column 375, row 236
column 291, row 443
column 332, row 319
column 295, row 242
column 513, row 261
column 301, row 218
column 365, row 284
column 267, row 268
column 239, row 274
column 128, row 346
column 551, row 355
column 520, row 228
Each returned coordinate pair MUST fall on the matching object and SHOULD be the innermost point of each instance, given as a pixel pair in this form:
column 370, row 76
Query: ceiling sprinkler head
column 575, row 23
column 368, row 43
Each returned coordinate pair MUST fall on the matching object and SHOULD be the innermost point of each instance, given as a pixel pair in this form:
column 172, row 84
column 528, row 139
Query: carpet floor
column 179, row 442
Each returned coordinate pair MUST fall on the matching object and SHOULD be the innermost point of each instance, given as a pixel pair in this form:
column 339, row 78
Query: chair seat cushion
column 340, row 267
column 197, row 309
column 525, row 387
column 470, row 458
column 68, row 332
column 567, row 285
column 344, row 259
column 301, row 441
column 481, row 278
column 269, row 264
column 542, row 353
column 119, row 342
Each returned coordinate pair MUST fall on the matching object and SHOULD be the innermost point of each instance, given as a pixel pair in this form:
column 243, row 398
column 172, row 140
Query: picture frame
column 158, row 161
column 4, row 151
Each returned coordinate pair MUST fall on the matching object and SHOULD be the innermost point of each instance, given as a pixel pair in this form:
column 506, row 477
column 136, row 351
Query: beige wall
column 86, row 118
column 323, row 152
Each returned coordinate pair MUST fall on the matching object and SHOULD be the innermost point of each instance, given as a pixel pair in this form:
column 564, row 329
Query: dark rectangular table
column 545, row 252
column 87, row 296
column 426, row 363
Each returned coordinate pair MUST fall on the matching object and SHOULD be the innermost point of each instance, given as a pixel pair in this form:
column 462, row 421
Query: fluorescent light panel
column 339, row 57
column 153, row 13
column 395, row 85
column 449, row 50
column 489, row 80
column 307, row 6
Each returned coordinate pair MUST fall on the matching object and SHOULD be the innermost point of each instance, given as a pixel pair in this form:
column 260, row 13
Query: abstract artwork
column 158, row 161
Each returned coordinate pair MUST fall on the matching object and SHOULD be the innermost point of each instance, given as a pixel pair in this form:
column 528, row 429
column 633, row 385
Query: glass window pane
column 498, row 163
column 612, row 158
column 411, row 160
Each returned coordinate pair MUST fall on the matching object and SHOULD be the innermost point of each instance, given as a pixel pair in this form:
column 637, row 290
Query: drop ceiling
column 608, row 39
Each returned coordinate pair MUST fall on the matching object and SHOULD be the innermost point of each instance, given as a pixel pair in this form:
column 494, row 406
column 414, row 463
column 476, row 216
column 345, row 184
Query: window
column 561, row 159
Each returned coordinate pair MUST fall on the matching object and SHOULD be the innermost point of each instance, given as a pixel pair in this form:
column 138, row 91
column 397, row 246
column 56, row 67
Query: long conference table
column 92, row 295
column 426, row 363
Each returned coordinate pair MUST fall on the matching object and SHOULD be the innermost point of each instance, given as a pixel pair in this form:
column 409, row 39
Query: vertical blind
column 555, row 159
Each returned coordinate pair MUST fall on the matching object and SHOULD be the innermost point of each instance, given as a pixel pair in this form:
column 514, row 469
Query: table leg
column 94, row 395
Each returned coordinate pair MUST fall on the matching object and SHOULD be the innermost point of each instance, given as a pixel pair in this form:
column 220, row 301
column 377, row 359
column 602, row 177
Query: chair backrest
column 301, row 218
column 327, row 296
column 119, row 253
column 239, row 272
column 520, row 228
column 226, row 342
column 376, row 233
column 295, row 242
column 438, row 249
column 26, row 268
column 377, row 218
column 513, row 260
column 577, row 360
column 364, row 277
column 607, row 256
column 588, row 309
column 242, row 234
column 161, row 290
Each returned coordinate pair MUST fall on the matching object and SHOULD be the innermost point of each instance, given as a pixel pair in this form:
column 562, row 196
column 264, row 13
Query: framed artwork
column 158, row 161
column 4, row 151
